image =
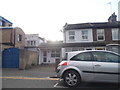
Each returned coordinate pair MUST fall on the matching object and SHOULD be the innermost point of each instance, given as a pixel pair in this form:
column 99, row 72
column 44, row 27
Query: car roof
column 71, row 54
column 91, row 51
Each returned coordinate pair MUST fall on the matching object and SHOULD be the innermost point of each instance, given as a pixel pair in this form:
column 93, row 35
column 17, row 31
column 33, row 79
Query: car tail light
column 64, row 63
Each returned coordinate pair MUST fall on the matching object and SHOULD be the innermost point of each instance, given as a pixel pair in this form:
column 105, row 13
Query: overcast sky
column 47, row 17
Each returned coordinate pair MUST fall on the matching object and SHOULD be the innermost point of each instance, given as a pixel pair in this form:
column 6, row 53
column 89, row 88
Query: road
column 42, row 77
column 32, row 82
column 28, row 82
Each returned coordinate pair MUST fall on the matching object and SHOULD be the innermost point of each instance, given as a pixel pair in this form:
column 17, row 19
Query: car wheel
column 71, row 78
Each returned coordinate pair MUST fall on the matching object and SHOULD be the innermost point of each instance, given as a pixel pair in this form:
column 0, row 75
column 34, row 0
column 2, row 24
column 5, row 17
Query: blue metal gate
column 10, row 58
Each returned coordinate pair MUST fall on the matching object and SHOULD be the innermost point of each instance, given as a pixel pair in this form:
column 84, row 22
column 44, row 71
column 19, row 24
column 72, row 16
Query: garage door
column 10, row 58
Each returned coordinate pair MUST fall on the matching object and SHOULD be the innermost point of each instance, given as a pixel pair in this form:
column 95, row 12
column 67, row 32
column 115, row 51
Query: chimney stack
column 112, row 18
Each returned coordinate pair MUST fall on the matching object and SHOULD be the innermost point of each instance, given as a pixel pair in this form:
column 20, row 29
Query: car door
column 106, row 66
column 83, row 62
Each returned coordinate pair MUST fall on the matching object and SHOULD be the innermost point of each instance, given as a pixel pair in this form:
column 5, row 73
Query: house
column 14, row 54
column 91, row 36
column 83, row 36
column 4, row 22
column 48, row 51
column 33, row 40
column 51, row 53
column 32, row 43
column 11, row 37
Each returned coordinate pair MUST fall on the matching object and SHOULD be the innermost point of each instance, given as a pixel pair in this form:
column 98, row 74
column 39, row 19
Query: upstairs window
column 116, row 34
column 100, row 35
column 19, row 38
column 71, row 35
column 84, row 34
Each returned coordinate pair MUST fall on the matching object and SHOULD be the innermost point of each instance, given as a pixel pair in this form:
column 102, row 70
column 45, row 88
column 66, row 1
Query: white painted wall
column 78, row 36
column 49, row 58
column 33, row 37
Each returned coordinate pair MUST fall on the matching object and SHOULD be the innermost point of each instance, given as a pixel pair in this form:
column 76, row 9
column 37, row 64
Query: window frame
column 55, row 53
column 84, row 34
column 114, row 33
column 105, row 61
column 71, row 35
column 101, row 34
column 19, row 38
column 91, row 58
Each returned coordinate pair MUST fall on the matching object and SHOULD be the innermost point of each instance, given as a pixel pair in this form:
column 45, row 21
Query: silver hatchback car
column 89, row 66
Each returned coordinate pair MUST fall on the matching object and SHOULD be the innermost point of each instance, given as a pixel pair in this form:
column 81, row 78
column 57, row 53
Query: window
column 115, row 34
column 31, row 43
column 100, row 48
column 71, row 35
column 55, row 53
column 45, row 53
column 82, row 57
column 0, row 23
column 45, row 59
column 88, row 49
column 28, row 43
column 105, row 57
column 112, row 58
column 84, row 34
column 34, row 43
column 19, row 37
column 100, row 35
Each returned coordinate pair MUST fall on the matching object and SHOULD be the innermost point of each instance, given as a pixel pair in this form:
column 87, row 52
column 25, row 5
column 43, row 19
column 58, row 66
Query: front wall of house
column 19, row 44
column 47, row 58
column 6, row 35
column 108, row 36
column 78, row 36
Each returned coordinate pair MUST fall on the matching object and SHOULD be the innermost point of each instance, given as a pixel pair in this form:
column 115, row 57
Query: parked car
column 89, row 66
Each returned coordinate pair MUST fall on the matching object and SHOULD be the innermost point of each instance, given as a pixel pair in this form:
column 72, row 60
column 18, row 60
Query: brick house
column 11, row 37
column 91, row 36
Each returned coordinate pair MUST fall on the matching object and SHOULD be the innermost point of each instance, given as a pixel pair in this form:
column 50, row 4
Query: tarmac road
column 39, row 77
column 36, row 77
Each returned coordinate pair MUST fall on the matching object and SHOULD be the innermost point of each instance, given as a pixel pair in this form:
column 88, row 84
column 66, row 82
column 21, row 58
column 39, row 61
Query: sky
column 47, row 17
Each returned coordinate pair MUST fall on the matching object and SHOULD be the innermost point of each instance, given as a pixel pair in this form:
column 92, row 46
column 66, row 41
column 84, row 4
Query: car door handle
column 97, row 65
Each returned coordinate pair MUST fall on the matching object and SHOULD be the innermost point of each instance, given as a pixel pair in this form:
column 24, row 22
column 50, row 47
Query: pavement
column 41, row 76
column 39, row 71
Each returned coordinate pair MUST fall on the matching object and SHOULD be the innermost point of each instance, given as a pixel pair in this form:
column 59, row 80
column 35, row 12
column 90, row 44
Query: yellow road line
column 29, row 78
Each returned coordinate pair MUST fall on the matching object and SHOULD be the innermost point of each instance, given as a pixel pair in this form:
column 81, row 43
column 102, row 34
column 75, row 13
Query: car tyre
column 71, row 78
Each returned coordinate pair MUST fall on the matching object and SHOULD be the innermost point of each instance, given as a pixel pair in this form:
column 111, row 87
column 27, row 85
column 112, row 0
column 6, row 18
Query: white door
column 106, row 67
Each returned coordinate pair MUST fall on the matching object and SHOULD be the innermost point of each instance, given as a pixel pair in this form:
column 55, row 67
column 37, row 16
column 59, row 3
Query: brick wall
column 19, row 44
column 10, row 38
column 108, row 36
column 27, row 59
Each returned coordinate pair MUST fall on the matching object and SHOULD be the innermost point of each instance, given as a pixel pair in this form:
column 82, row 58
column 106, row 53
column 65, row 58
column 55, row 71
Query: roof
column 62, row 45
column 3, row 19
column 92, row 25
